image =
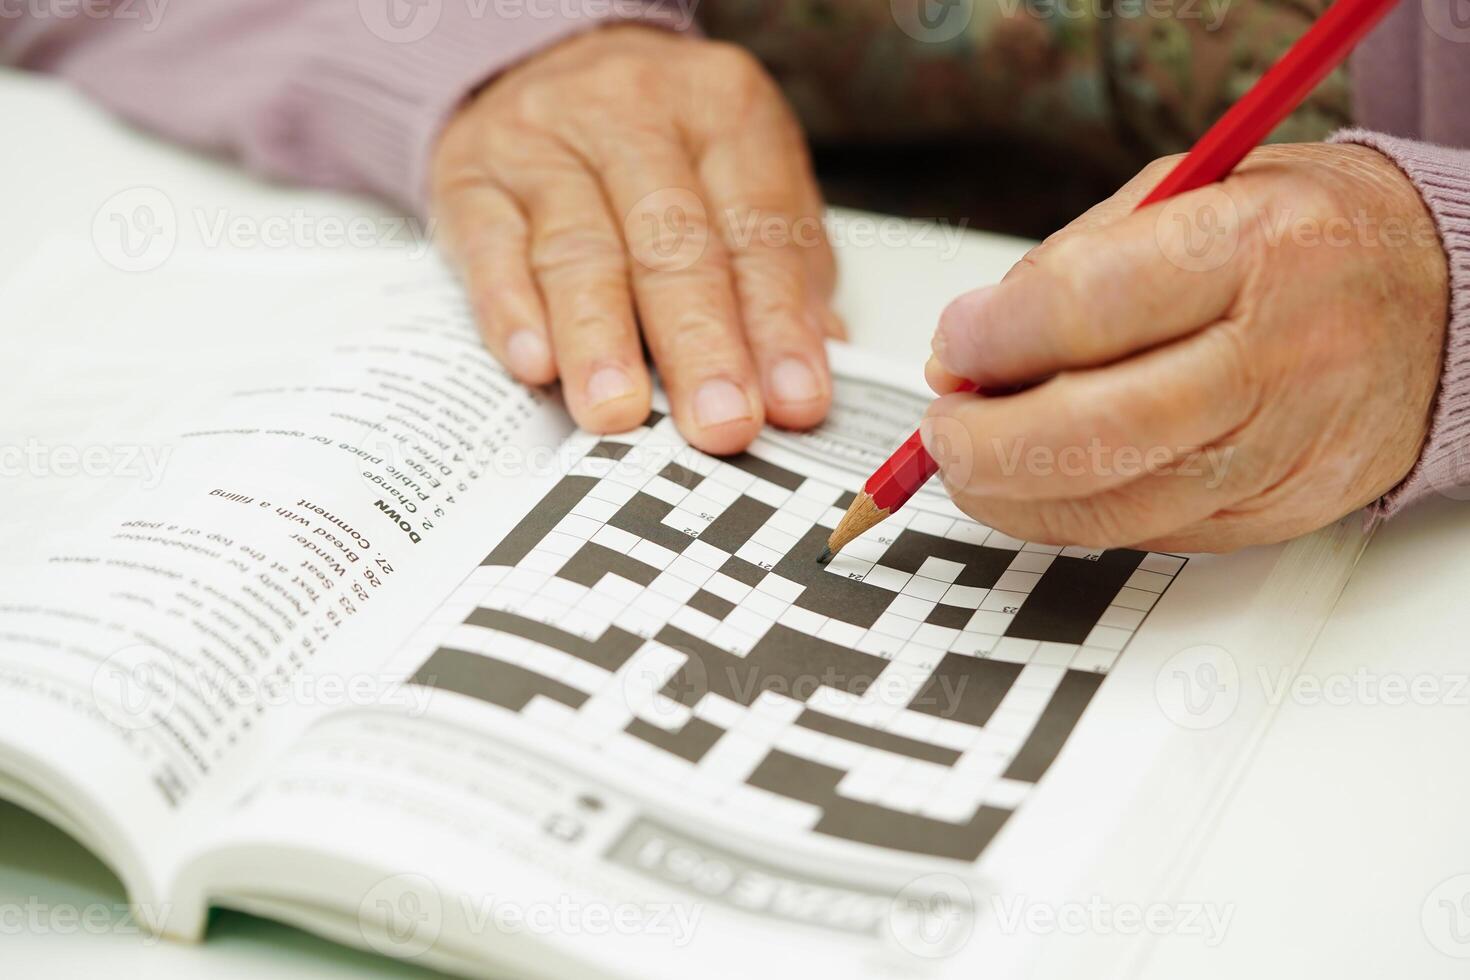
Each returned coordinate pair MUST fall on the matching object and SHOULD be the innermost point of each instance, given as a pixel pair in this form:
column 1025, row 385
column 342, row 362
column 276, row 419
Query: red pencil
column 1224, row 145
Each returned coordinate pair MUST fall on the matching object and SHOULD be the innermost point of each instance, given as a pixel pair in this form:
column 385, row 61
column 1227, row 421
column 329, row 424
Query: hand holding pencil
column 1237, row 363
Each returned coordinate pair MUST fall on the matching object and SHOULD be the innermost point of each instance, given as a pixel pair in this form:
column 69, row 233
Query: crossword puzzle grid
column 671, row 615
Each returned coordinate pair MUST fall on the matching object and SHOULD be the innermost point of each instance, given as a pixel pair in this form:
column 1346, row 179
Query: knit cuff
column 1442, row 177
column 368, row 112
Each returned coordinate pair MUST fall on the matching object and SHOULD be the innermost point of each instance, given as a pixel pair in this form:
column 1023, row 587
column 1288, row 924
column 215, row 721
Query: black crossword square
column 609, row 449
column 681, row 475
column 743, row 571
column 953, row 617
column 711, row 604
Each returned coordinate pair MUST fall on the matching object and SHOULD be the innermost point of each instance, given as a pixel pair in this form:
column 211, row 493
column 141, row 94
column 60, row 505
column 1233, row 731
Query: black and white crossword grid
column 666, row 608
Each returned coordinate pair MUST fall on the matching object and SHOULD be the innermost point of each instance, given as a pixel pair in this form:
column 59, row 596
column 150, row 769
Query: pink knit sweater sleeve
column 341, row 93
column 1442, row 176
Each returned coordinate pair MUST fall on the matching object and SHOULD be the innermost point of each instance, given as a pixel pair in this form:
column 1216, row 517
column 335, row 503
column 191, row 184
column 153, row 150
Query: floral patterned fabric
column 1114, row 82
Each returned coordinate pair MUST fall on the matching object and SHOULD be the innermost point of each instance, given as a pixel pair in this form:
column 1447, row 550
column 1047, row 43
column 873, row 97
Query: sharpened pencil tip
column 825, row 557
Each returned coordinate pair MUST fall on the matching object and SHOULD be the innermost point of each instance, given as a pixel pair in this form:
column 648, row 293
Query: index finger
column 1101, row 294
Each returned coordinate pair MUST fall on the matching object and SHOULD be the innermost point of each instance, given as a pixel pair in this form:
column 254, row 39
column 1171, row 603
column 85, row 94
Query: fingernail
column 926, row 433
column 718, row 402
column 792, row 380
column 955, row 340
column 527, row 354
column 608, row 384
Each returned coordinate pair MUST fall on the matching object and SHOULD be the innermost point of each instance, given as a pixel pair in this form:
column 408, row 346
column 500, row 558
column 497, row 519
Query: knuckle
column 1157, row 168
column 1090, row 522
column 697, row 342
column 732, row 62
column 1068, row 331
column 577, row 249
column 696, row 333
column 695, row 292
column 1238, row 369
column 1306, row 194
column 586, row 330
column 623, row 73
column 768, row 285
column 739, row 83
column 513, row 148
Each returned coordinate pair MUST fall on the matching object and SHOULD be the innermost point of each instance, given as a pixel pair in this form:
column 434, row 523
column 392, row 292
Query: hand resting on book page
column 632, row 177
column 1242, row 364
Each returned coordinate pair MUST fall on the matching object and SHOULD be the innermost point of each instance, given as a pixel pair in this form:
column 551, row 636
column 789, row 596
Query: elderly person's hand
column 1241, row 364
column 633, row 186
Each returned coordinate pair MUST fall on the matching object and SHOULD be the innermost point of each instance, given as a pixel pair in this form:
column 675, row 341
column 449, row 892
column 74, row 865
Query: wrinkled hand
column 1238, row 365
column 630, row 177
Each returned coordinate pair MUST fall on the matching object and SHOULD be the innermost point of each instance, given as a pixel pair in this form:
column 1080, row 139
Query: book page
column 650, row 697
column 283, row 480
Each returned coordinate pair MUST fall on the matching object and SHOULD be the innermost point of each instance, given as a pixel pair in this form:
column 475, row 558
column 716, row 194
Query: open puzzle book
column 328, row 621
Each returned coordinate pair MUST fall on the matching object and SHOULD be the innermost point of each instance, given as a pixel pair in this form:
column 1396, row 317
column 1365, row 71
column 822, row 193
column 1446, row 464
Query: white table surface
column 1338, row 853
